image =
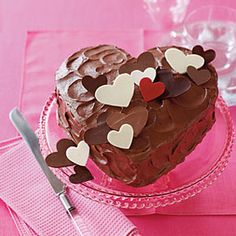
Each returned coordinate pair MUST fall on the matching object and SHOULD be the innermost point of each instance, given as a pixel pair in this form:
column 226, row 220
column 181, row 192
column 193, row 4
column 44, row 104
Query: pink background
column 19, row 17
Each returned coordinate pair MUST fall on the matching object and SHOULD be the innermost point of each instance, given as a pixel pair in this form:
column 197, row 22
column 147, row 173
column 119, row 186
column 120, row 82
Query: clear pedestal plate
column 200, row 169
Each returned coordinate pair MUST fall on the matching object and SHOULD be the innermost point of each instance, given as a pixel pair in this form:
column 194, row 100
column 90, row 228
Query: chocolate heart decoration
column 59, row 159
column 174, row 86
column 82, row 174
column 79, row 154
column 98, row 135
column 150, row 90
column 208, row 55
column 137, row 75
column 199, row 77
column 101, row 120
column 91, row 84
column 143, row 61
column 122, row 138
column 136, row 117
column 118, row 94
column 180, row 62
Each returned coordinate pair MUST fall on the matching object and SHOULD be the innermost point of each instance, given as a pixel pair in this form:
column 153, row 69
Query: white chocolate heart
column 122, row 138
column 80, row 154
column 137, row 75
column 180, row 62
column 118, row 94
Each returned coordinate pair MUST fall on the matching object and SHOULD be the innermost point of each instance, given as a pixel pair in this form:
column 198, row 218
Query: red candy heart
column 150, row 90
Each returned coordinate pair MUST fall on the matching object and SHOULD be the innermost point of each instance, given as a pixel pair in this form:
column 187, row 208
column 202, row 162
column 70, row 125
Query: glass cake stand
column 200, row 169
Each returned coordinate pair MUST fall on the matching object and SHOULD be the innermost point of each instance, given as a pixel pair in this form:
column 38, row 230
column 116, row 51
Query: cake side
column 174, row 127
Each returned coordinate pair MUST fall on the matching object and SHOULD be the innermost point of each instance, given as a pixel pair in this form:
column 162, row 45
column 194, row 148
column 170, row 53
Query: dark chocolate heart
column 102, row 118
column 174, row 86
column 144, row 61
column 208, row 55
column 199, row 77
column 91, row 84
column 59, row 159
column 136, row 117
column 98, row 135
column 82, row 174
column 165, row 64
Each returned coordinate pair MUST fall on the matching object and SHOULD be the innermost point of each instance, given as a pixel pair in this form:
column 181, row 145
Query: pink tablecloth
column 22, row 16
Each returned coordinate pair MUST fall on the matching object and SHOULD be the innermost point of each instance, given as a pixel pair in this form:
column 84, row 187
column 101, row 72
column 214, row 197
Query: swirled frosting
column 174, row 127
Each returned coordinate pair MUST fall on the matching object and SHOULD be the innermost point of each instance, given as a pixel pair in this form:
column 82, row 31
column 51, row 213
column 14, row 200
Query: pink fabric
column 29, row 194
column 22, row 227
column 12, row 222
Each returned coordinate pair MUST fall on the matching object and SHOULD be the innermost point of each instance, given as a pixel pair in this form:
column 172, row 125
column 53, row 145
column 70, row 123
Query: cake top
column 142, row 98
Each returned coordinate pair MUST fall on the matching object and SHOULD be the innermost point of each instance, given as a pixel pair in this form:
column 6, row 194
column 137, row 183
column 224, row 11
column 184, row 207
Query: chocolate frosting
column 174, row 126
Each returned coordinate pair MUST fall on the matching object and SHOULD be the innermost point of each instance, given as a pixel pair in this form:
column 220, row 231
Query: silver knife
column 59, row 188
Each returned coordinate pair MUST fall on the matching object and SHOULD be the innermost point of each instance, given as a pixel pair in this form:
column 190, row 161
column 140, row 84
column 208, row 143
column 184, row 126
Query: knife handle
column 76, row 219
column 78, row 223
column 65, row 202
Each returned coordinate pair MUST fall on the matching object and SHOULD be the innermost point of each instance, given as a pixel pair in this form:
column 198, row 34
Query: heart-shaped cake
column 140, row 116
